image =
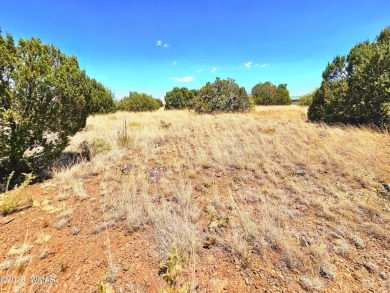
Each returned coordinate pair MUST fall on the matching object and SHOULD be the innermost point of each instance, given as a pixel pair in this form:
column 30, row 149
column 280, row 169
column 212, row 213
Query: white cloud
column 174, row 63
column 199, row 70
column 262, row 65
column 166, row 46
column 158, row 43
column 213, row 70
column 183, row 79
column 248, row 64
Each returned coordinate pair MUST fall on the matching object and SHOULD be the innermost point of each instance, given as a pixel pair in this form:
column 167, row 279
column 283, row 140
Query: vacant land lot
column 176, row 201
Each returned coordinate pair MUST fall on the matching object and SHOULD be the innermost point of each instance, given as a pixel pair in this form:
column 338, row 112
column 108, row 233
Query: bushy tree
column 306, row 100
column 269, row 94
column 222, row 96
column 355, row 89
column 101, row 99
column 180, row 98
column 138, row 102
column 42, row 102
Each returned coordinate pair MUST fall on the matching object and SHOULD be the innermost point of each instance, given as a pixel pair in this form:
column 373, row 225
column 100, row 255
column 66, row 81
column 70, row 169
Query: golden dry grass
column 304, row 192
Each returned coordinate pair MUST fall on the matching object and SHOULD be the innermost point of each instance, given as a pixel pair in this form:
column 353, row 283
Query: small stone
column 326, row 272
column 155, row 176
column 200, row 187
column 386, row 186
column 195, row 284
column 301, row 172
column 218, row 285
column 126, row 169
column 383, row 275
column 303, row 241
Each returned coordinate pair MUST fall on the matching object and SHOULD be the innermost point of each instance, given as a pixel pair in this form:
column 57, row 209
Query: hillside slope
column 262, row 201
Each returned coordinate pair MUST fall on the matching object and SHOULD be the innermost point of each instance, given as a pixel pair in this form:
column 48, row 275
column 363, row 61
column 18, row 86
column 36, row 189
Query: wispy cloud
column 262, row 65
column 199, row 70
column 160, row 43
column 183, row 79
column 174, row 63
column 213, row 70
column 248, row 64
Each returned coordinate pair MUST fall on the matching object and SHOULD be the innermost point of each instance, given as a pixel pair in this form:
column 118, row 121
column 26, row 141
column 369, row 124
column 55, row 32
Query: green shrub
column 306, row 100
column 180, row 98
column 269, row 94
column 222, row 96
column 43, row 101
column 138, row 102
column 355, row 88
column 101, row 99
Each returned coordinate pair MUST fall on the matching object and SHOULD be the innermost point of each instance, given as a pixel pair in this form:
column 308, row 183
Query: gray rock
column 126, row 169
column 155, row 176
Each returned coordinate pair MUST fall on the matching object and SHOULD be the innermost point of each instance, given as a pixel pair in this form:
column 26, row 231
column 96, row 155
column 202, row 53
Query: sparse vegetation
column 234, row 193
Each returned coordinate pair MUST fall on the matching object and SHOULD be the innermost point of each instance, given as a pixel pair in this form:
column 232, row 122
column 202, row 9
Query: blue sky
column 152, row 46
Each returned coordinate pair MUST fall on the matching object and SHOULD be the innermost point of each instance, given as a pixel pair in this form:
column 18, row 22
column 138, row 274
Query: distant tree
column 180, row 98
column 269, row 94
column 306, row 100
column 283, row 95
column 222, row 96
column 138, row 102
column 43, row 101
column 355, row 88
column 101, row 98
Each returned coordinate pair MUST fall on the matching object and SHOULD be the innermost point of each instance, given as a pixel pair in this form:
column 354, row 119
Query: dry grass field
column 181, row 202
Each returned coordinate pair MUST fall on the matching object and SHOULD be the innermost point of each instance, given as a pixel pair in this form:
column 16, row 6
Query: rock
column 195, row 284
column 155, row 176
column 386, row 186
column 126, row 169
column 218, row 285
column 303, row 241
column 300, row 172
column 200, row 187
column 383, row 275
column 326, row 272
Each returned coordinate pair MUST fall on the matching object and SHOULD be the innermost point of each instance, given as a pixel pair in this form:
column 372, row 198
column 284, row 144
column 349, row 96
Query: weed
column 42, row 238
column 164, row 124
column 123, row 138
column 62, row 223
column 5, row 265
column 133, row 124
column 21, row 263
column 15, row 250
column 341, row 247
column 311, row 283
column 11, row 199
column 100, row 146
column 173, row 266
